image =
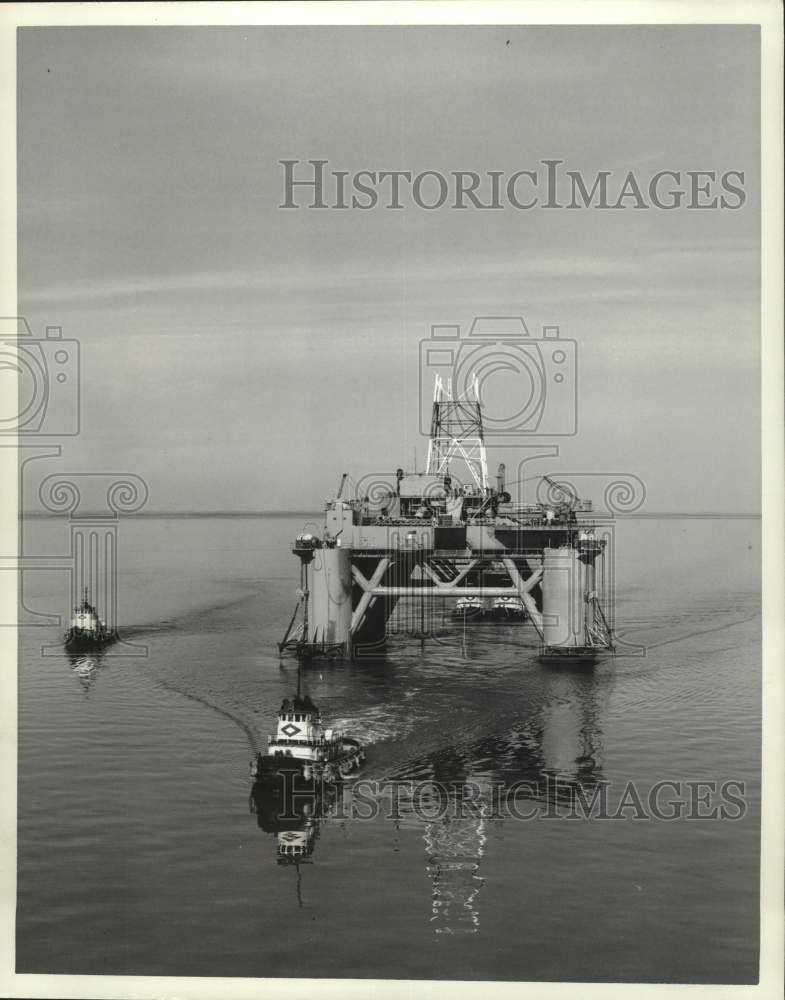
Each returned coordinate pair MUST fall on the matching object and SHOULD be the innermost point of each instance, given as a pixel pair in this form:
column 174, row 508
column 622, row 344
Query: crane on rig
column 564, row 508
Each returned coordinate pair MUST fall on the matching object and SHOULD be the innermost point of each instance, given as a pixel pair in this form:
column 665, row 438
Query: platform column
column 563, row 598
column 329, row 597
column 588, row 584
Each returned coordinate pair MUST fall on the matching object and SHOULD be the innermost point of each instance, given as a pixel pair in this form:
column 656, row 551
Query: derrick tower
column 457, row 433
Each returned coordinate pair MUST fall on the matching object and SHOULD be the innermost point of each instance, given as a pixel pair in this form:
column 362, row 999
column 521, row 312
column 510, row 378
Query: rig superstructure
column 412, row 535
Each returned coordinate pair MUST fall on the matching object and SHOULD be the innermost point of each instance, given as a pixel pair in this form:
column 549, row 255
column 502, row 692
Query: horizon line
column 622, row 515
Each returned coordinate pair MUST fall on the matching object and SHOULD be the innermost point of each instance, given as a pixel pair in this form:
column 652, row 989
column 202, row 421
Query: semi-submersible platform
column 420, row 539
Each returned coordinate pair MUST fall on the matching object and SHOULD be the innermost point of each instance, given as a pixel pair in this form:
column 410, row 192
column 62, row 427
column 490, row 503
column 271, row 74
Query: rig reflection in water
column 548, row 759
column 455, row 847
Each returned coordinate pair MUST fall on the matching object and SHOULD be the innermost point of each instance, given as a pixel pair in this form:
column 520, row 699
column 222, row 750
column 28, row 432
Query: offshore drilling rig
column 428, row 537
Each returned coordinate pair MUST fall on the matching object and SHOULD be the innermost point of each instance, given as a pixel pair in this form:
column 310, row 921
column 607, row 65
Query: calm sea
column 137, row 853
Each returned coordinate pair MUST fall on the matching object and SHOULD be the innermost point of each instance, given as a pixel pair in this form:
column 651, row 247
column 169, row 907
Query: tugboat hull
column 468, row 611
column 88, row 632
column 507, row 615
column 274, row 782
column 87, row 644
column 287, row 771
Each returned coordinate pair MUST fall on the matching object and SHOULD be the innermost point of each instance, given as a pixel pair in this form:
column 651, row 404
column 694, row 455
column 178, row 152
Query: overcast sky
column 240, row 356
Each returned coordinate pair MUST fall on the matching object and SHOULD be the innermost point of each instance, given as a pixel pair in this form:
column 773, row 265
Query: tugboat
column 468, row 608
column 303, row 748
column 87, row 632
column 508, row 609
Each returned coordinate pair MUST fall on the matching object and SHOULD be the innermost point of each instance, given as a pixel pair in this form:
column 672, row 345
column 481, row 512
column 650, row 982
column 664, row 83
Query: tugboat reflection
column 291, row 810
column 85, row 669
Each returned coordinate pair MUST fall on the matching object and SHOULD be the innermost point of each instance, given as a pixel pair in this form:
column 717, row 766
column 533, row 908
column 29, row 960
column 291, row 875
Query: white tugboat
column 302, row 745
column 468, row 608
column 88, row 631
column 508, row 609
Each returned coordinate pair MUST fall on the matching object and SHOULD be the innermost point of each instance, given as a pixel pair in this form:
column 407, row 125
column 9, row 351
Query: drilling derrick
column 393, row 554
column 456, row 433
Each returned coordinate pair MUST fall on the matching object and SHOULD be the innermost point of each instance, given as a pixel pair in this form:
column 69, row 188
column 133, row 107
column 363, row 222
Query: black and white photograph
column 392, row 455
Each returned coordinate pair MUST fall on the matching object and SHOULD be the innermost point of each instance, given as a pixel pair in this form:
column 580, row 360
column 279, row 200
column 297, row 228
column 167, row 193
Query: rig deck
column 409, row 535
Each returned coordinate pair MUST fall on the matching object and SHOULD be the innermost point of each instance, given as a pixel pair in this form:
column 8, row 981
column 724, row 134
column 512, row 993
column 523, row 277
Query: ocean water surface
column 138, row 855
